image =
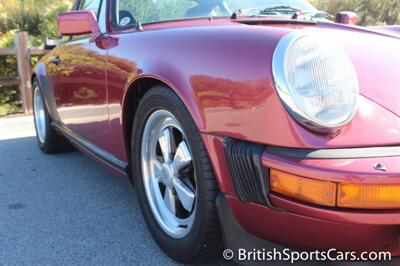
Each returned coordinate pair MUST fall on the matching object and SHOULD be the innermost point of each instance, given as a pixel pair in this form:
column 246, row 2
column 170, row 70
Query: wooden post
column 24, row 69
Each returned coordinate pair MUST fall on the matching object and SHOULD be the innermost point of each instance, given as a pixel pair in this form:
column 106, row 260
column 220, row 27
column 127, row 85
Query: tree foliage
column 37, row 17
column 370, row 12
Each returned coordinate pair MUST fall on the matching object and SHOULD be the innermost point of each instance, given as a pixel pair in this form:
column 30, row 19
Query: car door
column 80, row 82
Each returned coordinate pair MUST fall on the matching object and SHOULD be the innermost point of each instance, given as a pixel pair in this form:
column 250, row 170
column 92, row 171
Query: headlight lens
column 316, row 81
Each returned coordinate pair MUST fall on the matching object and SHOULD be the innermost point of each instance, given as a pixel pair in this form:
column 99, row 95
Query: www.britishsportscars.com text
column 291, row 256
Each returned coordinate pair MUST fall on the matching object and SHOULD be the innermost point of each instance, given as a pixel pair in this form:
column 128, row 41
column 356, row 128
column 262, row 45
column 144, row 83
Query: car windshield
column 128, row 12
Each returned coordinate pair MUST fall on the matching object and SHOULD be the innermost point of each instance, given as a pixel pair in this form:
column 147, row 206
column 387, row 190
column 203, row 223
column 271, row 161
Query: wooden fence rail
column 23, row 54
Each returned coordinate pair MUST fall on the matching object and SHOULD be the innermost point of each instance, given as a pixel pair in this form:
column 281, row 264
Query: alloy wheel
column 39, row 113
column 168, row 174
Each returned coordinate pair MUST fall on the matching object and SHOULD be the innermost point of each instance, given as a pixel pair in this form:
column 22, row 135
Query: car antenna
column 139, row 26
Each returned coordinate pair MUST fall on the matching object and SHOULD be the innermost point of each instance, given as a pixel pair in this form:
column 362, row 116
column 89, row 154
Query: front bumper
column 236, row 238
column 301, row 226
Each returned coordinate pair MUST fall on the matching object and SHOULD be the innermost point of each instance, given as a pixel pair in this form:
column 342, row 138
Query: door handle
column 55, row 60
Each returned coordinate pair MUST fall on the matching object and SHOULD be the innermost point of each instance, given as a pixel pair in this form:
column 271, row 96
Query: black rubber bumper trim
column 250, row 178
column 235, row 236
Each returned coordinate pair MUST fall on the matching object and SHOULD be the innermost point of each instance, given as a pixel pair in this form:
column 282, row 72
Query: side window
column 93, row 5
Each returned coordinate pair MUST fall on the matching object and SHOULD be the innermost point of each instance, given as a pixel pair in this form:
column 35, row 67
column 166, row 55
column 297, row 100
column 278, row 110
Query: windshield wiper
column 242, row 12
column 281, row 10
column 277, row 10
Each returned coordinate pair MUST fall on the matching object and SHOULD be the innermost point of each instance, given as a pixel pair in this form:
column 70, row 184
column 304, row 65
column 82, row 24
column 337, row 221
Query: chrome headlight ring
column 316, row 81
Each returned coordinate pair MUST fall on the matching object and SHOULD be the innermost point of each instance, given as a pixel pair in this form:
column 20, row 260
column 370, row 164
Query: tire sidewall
column 42, row 145
column 193, row 241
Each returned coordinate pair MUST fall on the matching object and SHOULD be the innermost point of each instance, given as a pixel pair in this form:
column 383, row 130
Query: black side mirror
column 50, row 44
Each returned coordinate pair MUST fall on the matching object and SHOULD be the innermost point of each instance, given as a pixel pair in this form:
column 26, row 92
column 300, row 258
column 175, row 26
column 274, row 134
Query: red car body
column 222, row 70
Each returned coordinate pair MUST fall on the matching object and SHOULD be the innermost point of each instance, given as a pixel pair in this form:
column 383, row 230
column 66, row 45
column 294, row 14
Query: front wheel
column 175, row 183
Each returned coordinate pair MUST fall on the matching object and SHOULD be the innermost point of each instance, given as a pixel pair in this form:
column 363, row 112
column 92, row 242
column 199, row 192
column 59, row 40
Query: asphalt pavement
column 66, row 209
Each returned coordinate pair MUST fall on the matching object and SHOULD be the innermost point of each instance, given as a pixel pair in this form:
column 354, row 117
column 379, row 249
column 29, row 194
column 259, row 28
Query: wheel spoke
column 185, row 194
column 169, row 200
column 158, row 173
column 166, row 144
column 182, row 157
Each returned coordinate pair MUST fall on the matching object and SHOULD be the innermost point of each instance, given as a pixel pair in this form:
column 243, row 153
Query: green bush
column 9, row 96
column 370, row 12
column 38, row 18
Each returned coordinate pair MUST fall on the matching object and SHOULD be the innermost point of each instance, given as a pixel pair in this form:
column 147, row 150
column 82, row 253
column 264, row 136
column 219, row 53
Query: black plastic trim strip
column 47, row 90
column 106, row 156
column 343, row 153
column 236, row 237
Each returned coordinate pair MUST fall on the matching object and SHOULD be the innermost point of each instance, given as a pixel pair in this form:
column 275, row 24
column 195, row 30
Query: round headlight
column 316, row 81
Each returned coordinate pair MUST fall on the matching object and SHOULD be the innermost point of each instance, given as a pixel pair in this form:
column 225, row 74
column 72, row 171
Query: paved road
column 65, row 209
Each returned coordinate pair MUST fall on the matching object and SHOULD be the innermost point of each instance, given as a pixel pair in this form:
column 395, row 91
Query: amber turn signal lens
column 369, row 196
column 305, row 189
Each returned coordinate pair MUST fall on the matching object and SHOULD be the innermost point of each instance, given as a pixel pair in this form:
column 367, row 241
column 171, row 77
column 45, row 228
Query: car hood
column 389, row 29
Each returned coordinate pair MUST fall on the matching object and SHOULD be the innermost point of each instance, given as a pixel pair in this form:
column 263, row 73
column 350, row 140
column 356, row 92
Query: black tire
column 52, row 142
column 203, row 243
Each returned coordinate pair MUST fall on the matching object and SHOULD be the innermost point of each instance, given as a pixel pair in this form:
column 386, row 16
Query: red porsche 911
column 256, row 123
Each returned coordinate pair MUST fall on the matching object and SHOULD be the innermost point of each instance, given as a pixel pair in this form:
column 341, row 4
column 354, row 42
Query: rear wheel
column 174, row 179
column 48, row 139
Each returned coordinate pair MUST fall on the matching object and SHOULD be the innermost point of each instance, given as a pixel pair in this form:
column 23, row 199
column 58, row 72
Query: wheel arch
column 137, row 89
column 39, row 74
